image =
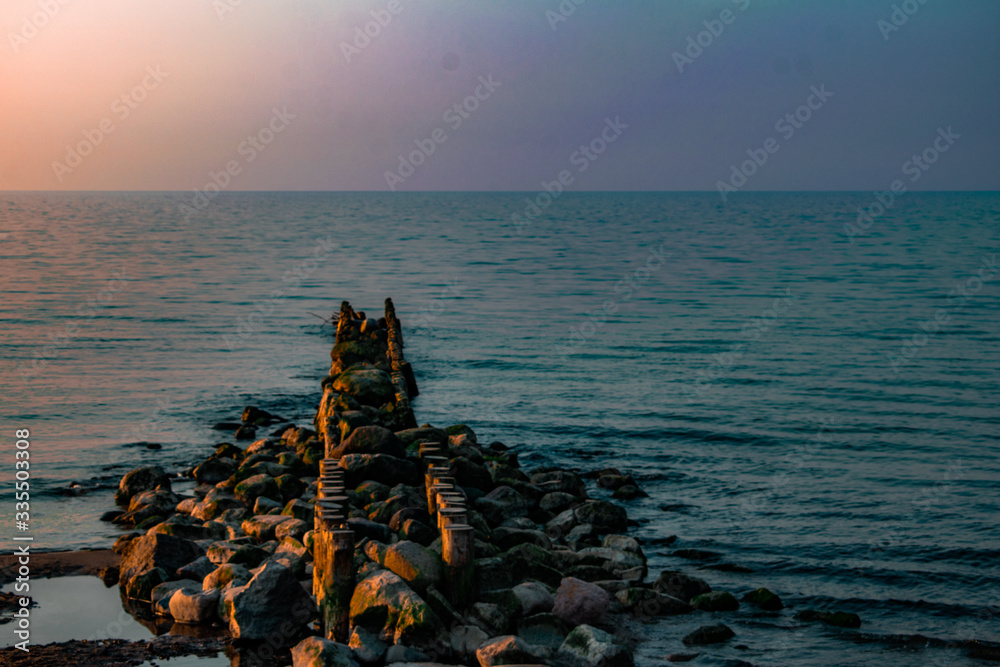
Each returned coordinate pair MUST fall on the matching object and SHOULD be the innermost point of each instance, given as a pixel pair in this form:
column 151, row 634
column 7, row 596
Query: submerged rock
column 709, row 634
column 764, row 599
column 679, row 585
column 715, row 601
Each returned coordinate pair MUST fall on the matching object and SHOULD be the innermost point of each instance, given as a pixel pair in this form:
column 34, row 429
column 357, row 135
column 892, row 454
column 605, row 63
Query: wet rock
column 629, row 492
column 262, row 528
column 160, row 595
column 680, row 585
column 197, row 569
column 557, row 501
column 146, row 478
column 215, row 470
column 382, row 467
column 764, row 599
column 506, row 650
column 696, row 554
column 245, row 554
column 318, row 652
column 225, row 574
column 299, row 509
column 709, row 634
column 579, row 602
column 587, row 646
column 535, row 598
column 466, row 639
column 193, row 605
column 682, row 657
column 715, row 601
column 605, row 517
column 612, row 560
column 613, row 481
column 367, row 647
column 256, row 486
column 245, row 433
column 370, row 440
column 838, row 619
column 418, row 566
column 560, row 480
column 155, row 550
column 501, row 503
column 385, row 604
column 646, row 602
column 369, row 386
column 542, row 630
column 270, row 599
column 140, row 586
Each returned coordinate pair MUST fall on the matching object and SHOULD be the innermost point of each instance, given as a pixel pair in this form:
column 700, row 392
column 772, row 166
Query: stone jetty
column 367, row 539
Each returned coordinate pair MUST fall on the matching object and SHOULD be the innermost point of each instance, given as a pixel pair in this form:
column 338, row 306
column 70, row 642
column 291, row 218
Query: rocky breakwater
column 404, row 543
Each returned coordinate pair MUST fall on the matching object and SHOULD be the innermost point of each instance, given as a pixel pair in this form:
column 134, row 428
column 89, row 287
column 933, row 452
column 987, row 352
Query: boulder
column 262, row 528
column 369, row 386
column 646, row 602
column 543, row 630
column 501, row 503
column 715, row 601
column 295, row 528
column 256, row 486
column 384, row 603
column 225, row 574
column 506, row 650
column 319, row 652
column 267, row 602
column 466, row 639
column 370, row 440
column 236, row 553
column 197, row 569
column 299, row 509
column 193, row 605
column 156, row 550
column 587, row 646
column 579, row 602
column 679, row 585
column 367, row 647
column 557, row 501
column 382, row 467
column 605, row 517
column 146, row 478
column 140, row 586
column 764, row 599
column 560, row 480
column 471, row 475
column 160, row 595
column 709, row 634
column 417, row 565
column 535, row 598
column 215, row 470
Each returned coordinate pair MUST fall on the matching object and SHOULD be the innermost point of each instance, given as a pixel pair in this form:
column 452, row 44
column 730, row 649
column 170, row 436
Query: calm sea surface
column 824, row 413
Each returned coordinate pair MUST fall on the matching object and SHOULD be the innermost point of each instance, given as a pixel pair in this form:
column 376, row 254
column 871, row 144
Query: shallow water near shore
column 736, row 359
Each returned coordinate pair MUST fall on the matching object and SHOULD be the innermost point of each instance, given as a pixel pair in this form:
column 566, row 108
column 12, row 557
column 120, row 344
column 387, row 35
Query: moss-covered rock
column 386, row 605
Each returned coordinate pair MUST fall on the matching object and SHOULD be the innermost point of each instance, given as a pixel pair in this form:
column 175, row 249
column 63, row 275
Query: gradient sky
column 229, row 64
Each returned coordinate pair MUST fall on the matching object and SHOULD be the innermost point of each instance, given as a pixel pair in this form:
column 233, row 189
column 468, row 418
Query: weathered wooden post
column 458, row 552
column 333, row 572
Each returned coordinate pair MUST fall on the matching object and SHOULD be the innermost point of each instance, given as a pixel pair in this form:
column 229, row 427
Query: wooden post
column 448, row 516
column 458, row 551
column 336, row 582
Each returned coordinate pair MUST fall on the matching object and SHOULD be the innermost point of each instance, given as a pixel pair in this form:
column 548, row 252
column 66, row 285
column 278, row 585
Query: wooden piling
column 335, row 581
column 458, row 552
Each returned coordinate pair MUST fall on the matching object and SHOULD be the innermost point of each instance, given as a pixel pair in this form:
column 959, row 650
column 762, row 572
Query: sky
column 623, row 95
